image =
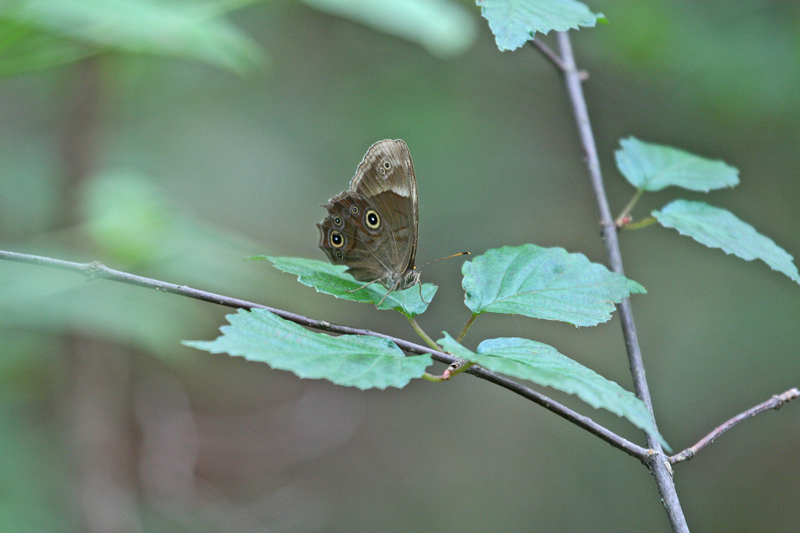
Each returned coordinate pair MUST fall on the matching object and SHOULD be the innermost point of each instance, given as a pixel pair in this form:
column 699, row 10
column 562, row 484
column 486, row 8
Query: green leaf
column 718, row 228
column 546, row 283
column 181, row 29
column 514, row 22
column 24, row 49
column 349, row 360
column 331, row 279
column 444, row 28
column 544, row 365
column 128, row 216
column 652, row 167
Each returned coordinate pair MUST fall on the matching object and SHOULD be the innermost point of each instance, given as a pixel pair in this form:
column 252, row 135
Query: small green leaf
column 331, row 279
column 546, row 283
column 718, row 228
column 350, row 360
column 514, row 22
column 445, row 29
column 652, row 167
column 544, row 365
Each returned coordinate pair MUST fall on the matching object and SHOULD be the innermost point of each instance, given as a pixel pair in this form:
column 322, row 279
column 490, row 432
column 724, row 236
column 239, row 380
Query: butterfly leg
column 364, row 286
column 387, row 292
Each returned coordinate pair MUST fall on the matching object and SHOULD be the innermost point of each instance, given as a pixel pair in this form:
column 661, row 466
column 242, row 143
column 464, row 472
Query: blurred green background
column 174, row 140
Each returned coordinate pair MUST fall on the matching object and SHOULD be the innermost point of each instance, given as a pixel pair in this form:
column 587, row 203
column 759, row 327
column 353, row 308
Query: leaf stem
column 628, row 208
column 429, row 341
column 649, row 221
column 465, row 329
column 456, row 367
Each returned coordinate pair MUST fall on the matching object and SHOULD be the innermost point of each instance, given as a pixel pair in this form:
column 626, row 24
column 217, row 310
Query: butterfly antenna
column 441, row 259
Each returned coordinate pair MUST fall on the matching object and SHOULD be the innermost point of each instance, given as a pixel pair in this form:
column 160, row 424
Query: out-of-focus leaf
column 546, row 283
column 35, row 473
column 350, row 360
column 651, row 167
column 128, row 217
column 76, row 28
column 332, row 279
column 444, row 28
column 514, row 22
column 23, row 48
column 719, row 228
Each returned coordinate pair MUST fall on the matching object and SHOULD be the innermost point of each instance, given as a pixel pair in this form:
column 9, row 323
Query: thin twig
column 549, row 54
column 97, row 270
column 776, row 402
column 456, row 368
column 658, row 463
column 555, row 59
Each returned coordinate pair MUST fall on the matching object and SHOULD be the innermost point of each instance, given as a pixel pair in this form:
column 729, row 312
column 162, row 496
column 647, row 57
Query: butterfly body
column 372, row 227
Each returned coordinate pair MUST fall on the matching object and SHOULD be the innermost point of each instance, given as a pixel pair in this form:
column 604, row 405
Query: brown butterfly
column 372, row 227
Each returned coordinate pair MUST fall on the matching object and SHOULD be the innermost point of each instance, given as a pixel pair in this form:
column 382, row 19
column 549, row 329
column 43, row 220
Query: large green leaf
column 331, row 279
column 651, row 167
column 546, row 283
column 514, row 22
column 349, row 360
column 75, row 28
column 719, row 228
column 443, row 27
column 544, row 365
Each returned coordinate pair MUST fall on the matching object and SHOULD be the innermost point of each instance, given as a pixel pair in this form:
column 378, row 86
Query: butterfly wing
column 346, row 240
column 386, row 178
column 372, row 228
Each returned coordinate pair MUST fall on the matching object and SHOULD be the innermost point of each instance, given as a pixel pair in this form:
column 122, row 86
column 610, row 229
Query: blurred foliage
column 444, row 28
column 193, row 168
column 752, row 46
column 44, row 33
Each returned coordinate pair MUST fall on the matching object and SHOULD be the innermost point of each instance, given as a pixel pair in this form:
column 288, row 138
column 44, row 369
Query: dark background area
column 179, row 170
